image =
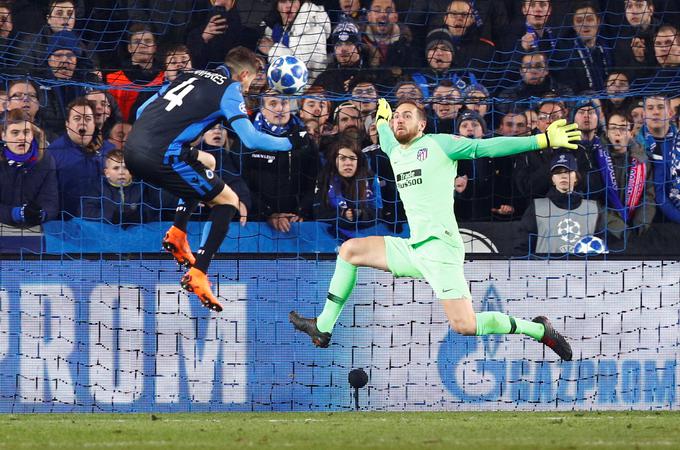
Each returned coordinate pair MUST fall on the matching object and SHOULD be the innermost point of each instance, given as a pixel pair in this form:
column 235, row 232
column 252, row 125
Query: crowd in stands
column 75, row 72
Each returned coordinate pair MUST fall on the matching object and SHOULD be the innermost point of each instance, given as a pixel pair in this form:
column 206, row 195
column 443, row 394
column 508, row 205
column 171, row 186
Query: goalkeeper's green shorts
column 437, row 261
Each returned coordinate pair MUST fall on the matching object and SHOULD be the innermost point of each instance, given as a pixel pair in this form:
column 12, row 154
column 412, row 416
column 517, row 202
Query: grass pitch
column 344, row 430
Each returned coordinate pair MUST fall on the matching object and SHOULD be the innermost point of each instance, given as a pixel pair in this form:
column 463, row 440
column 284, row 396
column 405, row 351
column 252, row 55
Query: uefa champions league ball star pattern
column 590, row 245
column 287, row 75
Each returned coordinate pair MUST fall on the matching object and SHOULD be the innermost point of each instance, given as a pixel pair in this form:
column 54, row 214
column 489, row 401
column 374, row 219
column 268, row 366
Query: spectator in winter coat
column 215, row 32
column 116, row 198
column 347, row 192
column 28, row 183
column 661, row 140
column 297, row 28
column 137, row 72
column 78, row 156
column 628, row 197
column 280, row 183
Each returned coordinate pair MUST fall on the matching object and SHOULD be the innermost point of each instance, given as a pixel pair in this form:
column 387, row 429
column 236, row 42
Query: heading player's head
column 408, row 121
column 243, row 65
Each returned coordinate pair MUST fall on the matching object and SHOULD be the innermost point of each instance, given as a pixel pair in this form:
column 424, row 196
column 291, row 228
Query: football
column 287, row 75
column 590, row 245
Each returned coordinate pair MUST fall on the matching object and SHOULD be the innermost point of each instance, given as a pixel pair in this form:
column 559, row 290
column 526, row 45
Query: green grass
column 344, row 430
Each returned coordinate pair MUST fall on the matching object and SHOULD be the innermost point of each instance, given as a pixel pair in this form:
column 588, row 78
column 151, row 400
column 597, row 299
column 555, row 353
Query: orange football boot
column 197, row 282
column 175, row 242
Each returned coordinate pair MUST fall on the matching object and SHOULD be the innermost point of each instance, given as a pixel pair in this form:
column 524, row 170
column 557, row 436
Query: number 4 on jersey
column 176, row 94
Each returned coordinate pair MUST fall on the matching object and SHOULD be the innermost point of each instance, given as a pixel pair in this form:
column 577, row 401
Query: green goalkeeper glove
column 384, row 111
column 559, row 134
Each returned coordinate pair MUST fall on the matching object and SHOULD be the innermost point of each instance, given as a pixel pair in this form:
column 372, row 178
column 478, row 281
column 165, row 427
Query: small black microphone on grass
column 357, row 379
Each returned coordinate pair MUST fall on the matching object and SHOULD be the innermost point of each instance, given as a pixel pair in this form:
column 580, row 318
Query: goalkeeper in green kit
column 425, row 168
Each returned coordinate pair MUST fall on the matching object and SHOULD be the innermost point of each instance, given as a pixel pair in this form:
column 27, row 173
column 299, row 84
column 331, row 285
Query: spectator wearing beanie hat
column 349, row 62
column 439, row 55
column 473, row 193
column 63, row 58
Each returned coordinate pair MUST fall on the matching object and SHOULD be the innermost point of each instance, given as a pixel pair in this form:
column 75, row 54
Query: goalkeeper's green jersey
column 425, row 174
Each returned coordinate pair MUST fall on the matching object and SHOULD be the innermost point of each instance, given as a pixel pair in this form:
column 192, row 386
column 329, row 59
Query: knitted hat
column 346, row 32
column 64, row 40
column 469, row 114
column 439, row 36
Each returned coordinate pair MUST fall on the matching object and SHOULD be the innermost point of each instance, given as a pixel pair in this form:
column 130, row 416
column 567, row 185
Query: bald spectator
column 388, row 43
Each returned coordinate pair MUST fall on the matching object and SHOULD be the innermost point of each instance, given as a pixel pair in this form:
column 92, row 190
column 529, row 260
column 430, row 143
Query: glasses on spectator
column 24, row 96
column 619, row 128
column 343, row 158
column 550, row 116
column 445, row 100
column 368, row 92
column 4, row 18
column 535, row 66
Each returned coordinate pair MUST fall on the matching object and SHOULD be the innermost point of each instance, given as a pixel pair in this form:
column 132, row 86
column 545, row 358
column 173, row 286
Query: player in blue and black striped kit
column 158, row 151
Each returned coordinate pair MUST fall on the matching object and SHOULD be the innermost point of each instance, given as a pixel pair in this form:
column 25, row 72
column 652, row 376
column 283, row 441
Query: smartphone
column 220, row 11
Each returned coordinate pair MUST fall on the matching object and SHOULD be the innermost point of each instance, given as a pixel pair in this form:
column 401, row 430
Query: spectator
column 536, row 81
column 585, row 115
column 281, row 183
column 587, row 57
column 119, row 134
column 10, row 57
column 554, row 224
column 227, row 166
column 364, row 97
column 347, row 192
column 409, row 90
column 635, row 37
column 177, row 60
column 618, row 83
column 3, row 102
column 476, row 97
column 513, row 124
column 531, row 167
column 78, row 156
column 347, row 120
column 473, row 183
column 439, row 56
column 446, row 102
column 297, row 29
column 63, row 55
column 637, row 113
column 393, row 209
column 115, row 198
column 472, row 49
column 531, row 32
column 105, row 112
column 345, row 11
column 172, row 20
column 628, row 197
column 388, row 44
column 23, row 94
column 315, row 105
column 348, row 61
column 662, row 144
column 28, row 184
column 137, row 72
column 215, row 32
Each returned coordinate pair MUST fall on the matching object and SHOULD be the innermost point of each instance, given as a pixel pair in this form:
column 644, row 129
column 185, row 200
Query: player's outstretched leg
column 320, row 328
column 464, row 321
column 175, row 240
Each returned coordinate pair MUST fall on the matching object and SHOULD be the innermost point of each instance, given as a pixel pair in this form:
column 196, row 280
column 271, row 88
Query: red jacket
column 126, row 97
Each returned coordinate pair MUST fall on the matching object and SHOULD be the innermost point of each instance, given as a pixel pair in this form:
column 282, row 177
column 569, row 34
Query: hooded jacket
column 77, row 170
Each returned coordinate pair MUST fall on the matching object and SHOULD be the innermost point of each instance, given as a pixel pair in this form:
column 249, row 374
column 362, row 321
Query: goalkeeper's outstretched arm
column 558, row 134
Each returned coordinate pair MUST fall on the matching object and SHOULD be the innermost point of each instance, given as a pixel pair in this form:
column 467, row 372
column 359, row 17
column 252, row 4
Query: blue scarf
column 637, row 174
column 27, row 160
column 279, row 35
column 337, row 199
column 596, row 71
column 261, row 124
column 670, row 152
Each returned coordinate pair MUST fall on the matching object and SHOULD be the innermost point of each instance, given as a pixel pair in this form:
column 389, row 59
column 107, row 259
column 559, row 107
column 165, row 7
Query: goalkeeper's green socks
column 342, row 284
column 498, row 323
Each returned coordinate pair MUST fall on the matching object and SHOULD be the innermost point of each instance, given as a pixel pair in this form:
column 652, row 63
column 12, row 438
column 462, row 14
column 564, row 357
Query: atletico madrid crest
column 422, row 154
